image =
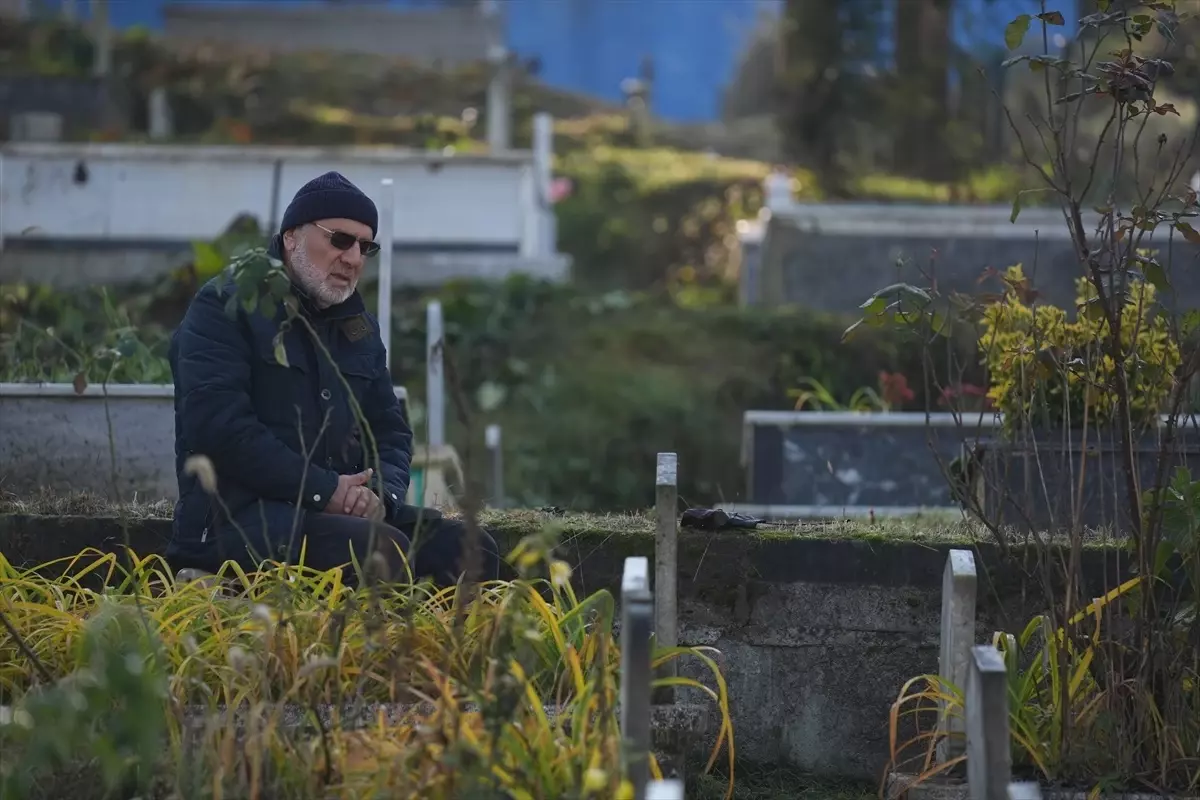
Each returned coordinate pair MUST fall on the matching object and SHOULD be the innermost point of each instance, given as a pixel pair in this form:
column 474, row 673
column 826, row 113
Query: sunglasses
column 344, row 241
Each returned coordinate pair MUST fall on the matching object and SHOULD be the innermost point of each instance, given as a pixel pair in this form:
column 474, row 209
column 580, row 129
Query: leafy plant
column 1048, row 371
column 107, row 710
column 46, row 336
column 1055, row 703
column 1120, row 704
column 472, row 683
column 893, row 391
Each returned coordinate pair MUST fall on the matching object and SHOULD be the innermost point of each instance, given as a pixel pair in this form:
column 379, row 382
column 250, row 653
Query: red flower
column 894, row 388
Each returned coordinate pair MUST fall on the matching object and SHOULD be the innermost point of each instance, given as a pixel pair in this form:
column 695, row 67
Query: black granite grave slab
column 838, row 460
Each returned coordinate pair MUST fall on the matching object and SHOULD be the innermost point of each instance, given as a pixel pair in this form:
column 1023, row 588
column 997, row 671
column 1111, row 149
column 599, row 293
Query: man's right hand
column 338, row 503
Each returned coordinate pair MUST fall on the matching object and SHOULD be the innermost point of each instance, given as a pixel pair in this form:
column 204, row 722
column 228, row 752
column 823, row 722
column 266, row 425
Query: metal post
column 492, row 439
column 666, row 565
column 387, row 206
column 637, row 612
column 435, row 387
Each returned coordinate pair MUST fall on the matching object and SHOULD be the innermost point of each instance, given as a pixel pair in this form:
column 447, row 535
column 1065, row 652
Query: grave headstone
column 159, row 113
column 35, row 126
column 824, row 463
column 637, row 620
column 989, row 748
column 666, row 563
column 959, row 582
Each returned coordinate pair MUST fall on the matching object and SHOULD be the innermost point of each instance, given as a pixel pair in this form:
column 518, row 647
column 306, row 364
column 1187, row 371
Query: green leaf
column 207, row 260
column 1016, row 208
column 1093, row 310
column 1017, row 202
column 1190, row 322
column 1155, row 274
column 1015, row 32
column 850, row 332
column 940, row 323
column 1103, row 5
column 280, row 351
column 1052, row 18
column 1162, row 556
column 1189, row 233
column 875, row 304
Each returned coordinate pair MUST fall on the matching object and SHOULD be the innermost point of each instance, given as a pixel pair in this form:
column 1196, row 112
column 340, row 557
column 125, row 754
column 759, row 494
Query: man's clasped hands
column 353, row 499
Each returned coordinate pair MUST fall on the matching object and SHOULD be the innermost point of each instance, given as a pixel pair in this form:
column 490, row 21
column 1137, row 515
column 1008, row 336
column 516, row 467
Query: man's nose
column 353, row 257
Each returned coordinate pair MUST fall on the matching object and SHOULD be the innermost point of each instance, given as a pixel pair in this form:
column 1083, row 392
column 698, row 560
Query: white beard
column 313, row 281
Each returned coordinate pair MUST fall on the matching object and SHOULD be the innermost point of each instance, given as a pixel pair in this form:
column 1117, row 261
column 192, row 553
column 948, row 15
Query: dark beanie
column 329, row 196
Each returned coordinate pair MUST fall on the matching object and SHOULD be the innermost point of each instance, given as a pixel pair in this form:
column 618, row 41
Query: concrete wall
column 816, row 637
column 84, row 213
column 52, row 438
column 445, row 36
column 831, row 257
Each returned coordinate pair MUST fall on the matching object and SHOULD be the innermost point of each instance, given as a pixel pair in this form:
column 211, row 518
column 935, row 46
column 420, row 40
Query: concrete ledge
column 53, row 436
column 815, row 627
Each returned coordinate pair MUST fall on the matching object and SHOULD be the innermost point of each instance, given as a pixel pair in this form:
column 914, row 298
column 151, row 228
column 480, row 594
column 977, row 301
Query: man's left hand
column 362, row 502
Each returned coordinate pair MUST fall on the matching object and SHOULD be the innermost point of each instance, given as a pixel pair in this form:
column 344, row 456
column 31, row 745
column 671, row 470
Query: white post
column 435, row 385
column 637, row 617
column 492, row 440
column 102, row 63
column 530, row 212
column 777, row 191
column 1024, row 791
column 2, row 228
column 989, row 747
column 959, row 582
column 666, row 562
column 665, row 790
column 499, row 111
column 387, row 222
column 543, row 175
column 499, row 90
column 159, row 111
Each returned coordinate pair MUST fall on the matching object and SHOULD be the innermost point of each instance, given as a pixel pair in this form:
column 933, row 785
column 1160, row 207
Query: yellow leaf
column 594, row 780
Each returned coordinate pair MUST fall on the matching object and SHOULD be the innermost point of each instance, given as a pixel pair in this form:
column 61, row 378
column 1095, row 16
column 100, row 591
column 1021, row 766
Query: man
column 295, row 472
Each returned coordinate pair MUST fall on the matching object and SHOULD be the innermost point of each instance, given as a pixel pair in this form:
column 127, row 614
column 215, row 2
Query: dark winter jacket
column 278, row 436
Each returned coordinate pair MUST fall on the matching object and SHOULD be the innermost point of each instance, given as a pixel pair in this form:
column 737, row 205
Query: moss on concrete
column 937, row 528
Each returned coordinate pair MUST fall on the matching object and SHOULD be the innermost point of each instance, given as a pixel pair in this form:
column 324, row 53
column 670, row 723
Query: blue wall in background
column 590, row 46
